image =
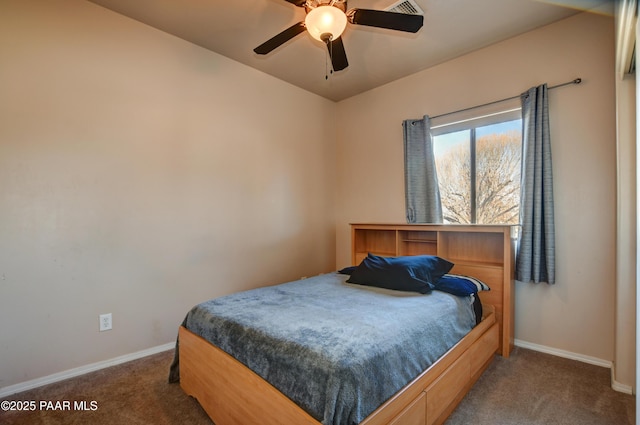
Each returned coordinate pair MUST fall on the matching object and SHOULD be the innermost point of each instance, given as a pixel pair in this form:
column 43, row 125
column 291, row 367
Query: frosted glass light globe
column 325, row 20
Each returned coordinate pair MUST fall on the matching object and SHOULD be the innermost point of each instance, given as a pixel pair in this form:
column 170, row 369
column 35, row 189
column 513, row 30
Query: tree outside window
column 479, row 173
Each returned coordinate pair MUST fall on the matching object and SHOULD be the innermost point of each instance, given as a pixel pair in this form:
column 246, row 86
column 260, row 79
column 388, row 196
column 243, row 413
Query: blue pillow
column 415, row 273
column 460, row 285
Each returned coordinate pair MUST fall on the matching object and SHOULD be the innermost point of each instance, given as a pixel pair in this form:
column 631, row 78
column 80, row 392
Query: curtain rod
column 575, row 81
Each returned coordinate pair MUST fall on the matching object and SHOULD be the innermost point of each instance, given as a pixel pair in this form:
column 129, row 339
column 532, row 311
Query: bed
column 402, row 381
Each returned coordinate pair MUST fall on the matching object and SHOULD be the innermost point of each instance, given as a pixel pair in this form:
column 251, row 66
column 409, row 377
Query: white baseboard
column 60, row 376
column 579, row 357
column 620, row 387
column 562, row 353
column 627, row 389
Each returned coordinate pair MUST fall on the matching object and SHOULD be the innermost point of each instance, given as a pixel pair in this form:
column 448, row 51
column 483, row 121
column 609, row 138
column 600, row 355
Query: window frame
column 470, row 121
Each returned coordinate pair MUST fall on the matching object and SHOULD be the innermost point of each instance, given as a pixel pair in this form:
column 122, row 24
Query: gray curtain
column 535, row 255
column 422, row 193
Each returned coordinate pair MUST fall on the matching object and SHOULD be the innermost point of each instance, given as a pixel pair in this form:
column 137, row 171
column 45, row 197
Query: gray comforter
column 337, row 350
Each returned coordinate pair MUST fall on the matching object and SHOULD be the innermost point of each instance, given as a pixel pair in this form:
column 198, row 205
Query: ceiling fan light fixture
column 325, row 20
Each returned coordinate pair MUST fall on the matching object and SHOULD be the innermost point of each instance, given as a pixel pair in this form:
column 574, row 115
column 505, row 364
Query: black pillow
column 416, row 273
column 460, row 285
column 347, row 270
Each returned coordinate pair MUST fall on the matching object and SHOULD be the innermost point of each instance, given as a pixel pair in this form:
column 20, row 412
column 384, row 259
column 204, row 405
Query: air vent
column 408, row 7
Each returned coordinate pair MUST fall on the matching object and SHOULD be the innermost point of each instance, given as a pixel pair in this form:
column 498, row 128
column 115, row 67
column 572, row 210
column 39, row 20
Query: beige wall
column 577, row 314
column 140, row 175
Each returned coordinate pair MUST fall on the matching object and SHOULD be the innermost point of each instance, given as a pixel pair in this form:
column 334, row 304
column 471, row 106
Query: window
column 478, row 165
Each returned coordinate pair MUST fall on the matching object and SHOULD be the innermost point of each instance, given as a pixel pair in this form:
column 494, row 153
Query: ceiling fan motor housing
column 312, row 4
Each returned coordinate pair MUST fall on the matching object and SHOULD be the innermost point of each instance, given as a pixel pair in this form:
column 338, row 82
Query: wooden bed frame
column 232, row 394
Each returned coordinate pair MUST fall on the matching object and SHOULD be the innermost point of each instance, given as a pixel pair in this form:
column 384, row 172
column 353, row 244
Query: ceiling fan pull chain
column 331, row 55
column 328, row 54
column 326, row 66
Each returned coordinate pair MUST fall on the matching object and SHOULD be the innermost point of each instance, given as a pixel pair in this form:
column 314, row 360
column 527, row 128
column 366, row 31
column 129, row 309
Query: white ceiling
column 233, row 28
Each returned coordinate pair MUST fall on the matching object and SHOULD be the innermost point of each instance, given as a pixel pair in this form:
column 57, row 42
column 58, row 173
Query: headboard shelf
column 471, row 263
column 419, row 241
column 482, row 251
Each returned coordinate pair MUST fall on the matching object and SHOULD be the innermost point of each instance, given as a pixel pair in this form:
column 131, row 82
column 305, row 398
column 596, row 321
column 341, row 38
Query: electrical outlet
column 105, row 322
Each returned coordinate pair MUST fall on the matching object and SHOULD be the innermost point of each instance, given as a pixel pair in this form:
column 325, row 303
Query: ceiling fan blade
column 298, row 3
column 280, row 39
column 384, row 19
column 338, row 54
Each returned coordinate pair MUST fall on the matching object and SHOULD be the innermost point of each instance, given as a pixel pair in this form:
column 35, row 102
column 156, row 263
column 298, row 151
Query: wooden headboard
column 482, row 251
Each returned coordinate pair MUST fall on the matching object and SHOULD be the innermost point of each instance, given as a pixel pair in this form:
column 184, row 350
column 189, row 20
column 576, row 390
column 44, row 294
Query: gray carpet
column 532, row 388
column 529, row 388
column 133, row 393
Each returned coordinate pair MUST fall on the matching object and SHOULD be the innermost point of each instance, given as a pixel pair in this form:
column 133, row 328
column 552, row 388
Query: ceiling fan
column 326, row 20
